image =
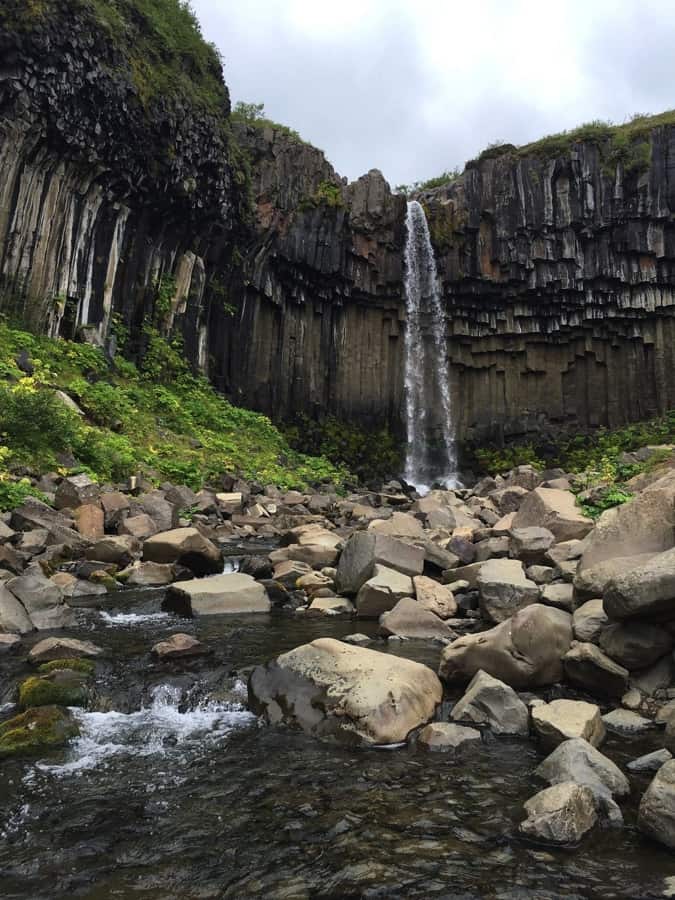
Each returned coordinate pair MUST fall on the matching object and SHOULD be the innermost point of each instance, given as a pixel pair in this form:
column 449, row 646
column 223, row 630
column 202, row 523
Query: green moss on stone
column 62, row 687
column 85, row 666
column 37, row 730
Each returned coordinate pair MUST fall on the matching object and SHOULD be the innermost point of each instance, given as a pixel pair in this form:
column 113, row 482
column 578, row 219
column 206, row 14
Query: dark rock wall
column 557, row 274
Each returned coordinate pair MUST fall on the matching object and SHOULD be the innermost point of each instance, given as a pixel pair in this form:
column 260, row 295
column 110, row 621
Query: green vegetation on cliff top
column 160, row 39
column 160, row 420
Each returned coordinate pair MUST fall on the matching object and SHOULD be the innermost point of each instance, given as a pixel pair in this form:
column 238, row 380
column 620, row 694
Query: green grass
column 161, row 420
column 254, row 114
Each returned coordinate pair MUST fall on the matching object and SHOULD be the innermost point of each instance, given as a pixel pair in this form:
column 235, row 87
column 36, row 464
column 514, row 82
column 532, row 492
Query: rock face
column 335, row 690
column 555, row 268
column 217, row 595
column 525, row 651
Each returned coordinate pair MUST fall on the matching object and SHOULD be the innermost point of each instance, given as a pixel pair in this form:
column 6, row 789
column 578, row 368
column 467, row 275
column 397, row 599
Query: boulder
column 179, row 646
column 155, row 505
column 33, row 513
column 287, row 572
column 139, row 527
column 555, row 510
column 468, row 573
column 530, row 545
column 559, row 595
column 331, row 689
column 504, row 589
column 331, row 606
column 445, row 737
column 646, row 591
column 492, row 548
column 488, row 701
column 315, row 555
column 650, row 762
column 52, row 648
column 382, row 592
column 561, row 814
column 635, row 645
column 508, row 499
column 13, row 615
column 90, row 521
column 180, row 496
column 76, row 490
column 117, row 549
column 185, row 546
column 588, row 620
column 434, row 597
column 525, row 651
column 592, row 582
column 400, row 525
column 10, row 560
column 147, row 574
column 37, row 730
column 656, row 816
column 626, row 722
column 217, row 595
column 643, row 525
column 560, row 720
column 42, row 600
column 115, row 506
column 578, row 761
column 588, row 668
column 410, row 620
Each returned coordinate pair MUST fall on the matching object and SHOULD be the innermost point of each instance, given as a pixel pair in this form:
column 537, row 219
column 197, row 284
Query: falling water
column 427, row 380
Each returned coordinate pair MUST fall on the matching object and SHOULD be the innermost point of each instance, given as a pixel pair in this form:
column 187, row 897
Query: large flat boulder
column 217, row 595
column 646, row 524
column 490, row 702
column 646, row 591
column 524, row 651
column 555, row 510
column 592, row 581
column 334, row 690
column 186, row 546
column 382, row 592
column 505, row 589
column 408, row 619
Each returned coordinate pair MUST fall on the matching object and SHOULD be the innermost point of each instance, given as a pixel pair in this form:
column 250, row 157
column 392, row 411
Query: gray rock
column 33, row 513
column 434, row 597
column 52, row 648
column 357, row 638
column 624, row 721
column 409, row 619
column 561, row 814
column 635, row 645
column 382, row 592
column 504, row 589
column 76, row 490
column 540, row 574
column 117, row 549
column 530, row 545
column 555, row 510
column 155, row 505
column 560, row 720
column 588, row 668
column 559, row 595
column 578, row 761
column 647, row 590
column 42, row 600
column 217, row 595
column 364, row 550
column 656, row 816
column 444, row 737
column 592, row 581
column 650, row 762
column 525, row 651
column 588, row 620
column 13, row 615
column 185, row 546
column 488, row 701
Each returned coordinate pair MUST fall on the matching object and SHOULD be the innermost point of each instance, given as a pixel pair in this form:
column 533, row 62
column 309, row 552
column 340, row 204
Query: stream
column 177, row 791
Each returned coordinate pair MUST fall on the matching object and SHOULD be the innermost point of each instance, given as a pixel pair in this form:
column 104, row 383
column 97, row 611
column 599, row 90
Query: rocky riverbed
column 255, row 693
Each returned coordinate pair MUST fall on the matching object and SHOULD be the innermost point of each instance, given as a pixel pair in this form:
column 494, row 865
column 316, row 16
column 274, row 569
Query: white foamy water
column 159, row 728
column 130, row 619
column 427, row 374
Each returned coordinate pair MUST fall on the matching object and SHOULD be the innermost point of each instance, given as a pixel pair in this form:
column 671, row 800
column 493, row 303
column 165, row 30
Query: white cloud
column 417, row 87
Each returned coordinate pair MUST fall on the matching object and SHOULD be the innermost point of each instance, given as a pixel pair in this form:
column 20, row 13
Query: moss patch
column 63, row 687
column 37, row 730
column 85, row 666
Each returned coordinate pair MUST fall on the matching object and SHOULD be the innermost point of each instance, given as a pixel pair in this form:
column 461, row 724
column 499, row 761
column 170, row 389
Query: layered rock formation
column 556, row 269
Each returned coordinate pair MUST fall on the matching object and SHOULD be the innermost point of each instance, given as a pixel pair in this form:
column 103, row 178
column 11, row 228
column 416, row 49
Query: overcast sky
column 414, row 88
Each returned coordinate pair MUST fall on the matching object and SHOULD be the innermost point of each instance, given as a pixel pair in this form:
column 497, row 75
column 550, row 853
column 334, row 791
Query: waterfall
column 431, row 452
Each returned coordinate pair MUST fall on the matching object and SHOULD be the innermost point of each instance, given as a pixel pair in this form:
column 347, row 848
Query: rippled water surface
column 176, row 791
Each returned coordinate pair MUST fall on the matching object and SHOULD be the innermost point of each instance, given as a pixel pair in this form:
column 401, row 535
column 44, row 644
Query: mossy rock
column 62, row 687
column 85, row 666
column 37, row 730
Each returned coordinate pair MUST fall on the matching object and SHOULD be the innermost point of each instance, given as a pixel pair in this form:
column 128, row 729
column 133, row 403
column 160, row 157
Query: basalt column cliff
column 125, row 198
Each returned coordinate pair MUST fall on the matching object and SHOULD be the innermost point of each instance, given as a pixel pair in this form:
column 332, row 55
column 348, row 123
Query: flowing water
column 175, row 790
column 431, row 449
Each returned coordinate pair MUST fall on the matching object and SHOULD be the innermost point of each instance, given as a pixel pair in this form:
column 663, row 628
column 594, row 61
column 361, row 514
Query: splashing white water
column 427, row 375
column 156, row 729
column 112, row 620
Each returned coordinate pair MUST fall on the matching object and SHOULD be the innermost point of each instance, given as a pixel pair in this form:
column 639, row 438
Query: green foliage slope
column 162, row 420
